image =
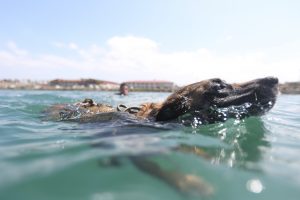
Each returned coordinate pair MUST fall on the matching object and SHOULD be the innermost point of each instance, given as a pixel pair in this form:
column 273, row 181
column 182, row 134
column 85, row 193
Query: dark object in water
column 208, row 101
column 203, row 98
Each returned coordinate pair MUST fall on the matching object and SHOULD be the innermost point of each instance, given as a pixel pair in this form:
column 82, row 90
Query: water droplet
column 254, row 185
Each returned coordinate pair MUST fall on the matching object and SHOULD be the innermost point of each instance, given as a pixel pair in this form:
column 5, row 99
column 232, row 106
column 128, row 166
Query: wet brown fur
column 194, row 97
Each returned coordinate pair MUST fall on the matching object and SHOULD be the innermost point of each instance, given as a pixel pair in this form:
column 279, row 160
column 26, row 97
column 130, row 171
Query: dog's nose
column 270, row 80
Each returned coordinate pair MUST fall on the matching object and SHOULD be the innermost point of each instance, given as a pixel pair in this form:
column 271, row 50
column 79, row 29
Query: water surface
column 255, row 158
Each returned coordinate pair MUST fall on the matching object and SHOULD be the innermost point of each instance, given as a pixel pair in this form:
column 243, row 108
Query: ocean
column 253, row 158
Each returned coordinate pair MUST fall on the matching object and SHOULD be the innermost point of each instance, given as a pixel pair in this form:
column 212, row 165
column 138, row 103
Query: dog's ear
column 182, row 101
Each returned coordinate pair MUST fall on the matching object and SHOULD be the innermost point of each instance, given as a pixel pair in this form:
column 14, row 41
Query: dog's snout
column 270, row 81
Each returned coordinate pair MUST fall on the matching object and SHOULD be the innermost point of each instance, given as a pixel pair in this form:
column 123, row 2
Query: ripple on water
column 258, row 157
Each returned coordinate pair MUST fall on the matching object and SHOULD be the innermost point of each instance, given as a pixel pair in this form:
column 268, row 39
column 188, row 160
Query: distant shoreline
column 288, row 92
column 6, row 84
column 71, row 89
column 74, row 90
column 290, row 88
column 87, row 85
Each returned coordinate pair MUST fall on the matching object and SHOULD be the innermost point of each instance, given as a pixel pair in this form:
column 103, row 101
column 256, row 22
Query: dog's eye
column 218, row 86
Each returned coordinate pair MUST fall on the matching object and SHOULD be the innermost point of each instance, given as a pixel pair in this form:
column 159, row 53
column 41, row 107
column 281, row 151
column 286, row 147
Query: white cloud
column 127, row 58
column 15, row 50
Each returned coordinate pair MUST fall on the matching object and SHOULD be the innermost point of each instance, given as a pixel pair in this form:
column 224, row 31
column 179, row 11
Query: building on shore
column 86, row 84
column 22, row 84
column 83, row 84
column 290, row 88
column 94, row 84
column 161, row 86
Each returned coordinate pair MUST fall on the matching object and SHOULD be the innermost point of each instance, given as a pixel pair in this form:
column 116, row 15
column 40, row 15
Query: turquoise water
column 256, row 158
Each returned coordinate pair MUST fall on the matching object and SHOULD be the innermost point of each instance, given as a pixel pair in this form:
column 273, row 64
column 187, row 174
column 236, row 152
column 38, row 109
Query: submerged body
column 207, row 101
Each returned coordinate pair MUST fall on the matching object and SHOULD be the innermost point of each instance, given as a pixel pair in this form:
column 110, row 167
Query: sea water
column 253, row 158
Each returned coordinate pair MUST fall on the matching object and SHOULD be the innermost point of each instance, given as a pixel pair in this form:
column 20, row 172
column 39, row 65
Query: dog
column 204, row 100
column 208, row 101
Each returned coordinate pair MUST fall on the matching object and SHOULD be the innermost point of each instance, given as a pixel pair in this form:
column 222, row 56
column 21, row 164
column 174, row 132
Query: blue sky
column 178, row 40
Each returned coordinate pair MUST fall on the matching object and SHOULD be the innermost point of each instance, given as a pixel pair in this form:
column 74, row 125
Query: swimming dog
column 203, row 100
column 208, row 101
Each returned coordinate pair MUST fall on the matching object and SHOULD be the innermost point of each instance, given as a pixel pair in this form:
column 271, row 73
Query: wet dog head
column 207, row 98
